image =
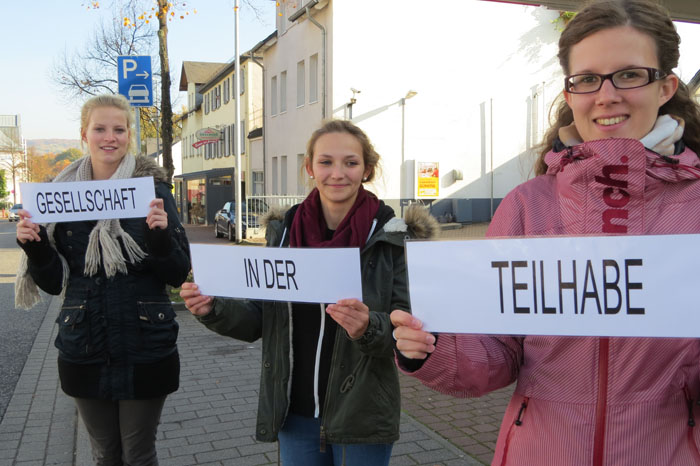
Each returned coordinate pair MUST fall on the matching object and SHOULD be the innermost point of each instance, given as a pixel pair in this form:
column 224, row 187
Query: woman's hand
column 26, row 229
column 157, row 217
column 411, row 340
column 352, row 315
column 197, row 303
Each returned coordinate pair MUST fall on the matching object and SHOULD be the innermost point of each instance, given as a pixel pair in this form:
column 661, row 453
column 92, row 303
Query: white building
column 463, row 85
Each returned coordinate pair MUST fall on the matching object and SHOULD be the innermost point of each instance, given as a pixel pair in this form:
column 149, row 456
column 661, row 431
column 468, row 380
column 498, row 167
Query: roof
column 198, row 72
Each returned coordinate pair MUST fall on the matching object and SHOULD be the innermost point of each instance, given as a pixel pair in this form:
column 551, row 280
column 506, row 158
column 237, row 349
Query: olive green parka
column 363, row 402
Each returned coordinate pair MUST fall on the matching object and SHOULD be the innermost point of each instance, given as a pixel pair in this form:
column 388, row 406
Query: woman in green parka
column 329, row 390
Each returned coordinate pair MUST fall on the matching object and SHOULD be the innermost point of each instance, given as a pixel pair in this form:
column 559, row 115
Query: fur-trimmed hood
column 146, row 166
column 417, row 222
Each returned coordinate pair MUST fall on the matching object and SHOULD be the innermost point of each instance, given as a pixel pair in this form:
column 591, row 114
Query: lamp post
column 411, row 93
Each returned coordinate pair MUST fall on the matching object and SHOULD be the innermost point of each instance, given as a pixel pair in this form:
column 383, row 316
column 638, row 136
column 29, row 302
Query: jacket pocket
column 74, row 339
column 157, row 326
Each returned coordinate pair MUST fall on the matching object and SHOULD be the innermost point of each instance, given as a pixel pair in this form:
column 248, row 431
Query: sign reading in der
column 87, row 200
column 625, row 286
column 322, row 275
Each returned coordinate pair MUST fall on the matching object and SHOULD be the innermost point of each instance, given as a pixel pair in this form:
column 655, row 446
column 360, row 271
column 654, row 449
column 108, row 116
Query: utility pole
column 237, row 138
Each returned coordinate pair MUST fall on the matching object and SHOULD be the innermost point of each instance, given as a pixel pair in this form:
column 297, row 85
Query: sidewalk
column 210, row 419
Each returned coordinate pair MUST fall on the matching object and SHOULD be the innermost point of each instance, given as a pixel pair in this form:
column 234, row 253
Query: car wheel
column 231, row 236
column 216, row 231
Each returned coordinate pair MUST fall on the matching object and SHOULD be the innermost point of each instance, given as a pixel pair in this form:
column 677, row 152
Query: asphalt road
column 18, row 328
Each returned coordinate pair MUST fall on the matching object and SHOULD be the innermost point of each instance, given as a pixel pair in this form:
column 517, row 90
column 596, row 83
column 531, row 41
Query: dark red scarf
column 309, row 226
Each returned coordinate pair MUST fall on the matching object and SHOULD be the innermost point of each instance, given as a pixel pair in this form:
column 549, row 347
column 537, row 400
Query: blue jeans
column 300, row 446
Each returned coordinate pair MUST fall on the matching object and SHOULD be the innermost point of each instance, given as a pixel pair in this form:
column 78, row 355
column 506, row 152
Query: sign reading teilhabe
column 626, row 286
column 322, row 275
column 135, row 80
column 87, row 200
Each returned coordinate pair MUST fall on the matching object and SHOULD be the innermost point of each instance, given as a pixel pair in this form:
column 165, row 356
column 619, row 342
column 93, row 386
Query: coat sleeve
column 235, row 318
column 471, row 365
column 169, row 249
column 377, row 339
column 44, row 264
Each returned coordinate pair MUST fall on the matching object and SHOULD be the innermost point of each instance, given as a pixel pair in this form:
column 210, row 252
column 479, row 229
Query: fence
column 258, row 206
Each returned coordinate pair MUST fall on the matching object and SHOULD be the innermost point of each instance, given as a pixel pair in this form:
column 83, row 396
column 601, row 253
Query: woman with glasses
column 620, row 159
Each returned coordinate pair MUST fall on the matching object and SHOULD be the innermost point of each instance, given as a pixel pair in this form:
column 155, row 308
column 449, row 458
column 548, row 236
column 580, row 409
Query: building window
column 243, row 81
column 206, row 103
column 283, row 91
column 283, row 175
column 274, row 176
column 273, row 96
column 301, row 84
column 313, row 78
column 258, row 183
column 227, row 93
column 243, row 137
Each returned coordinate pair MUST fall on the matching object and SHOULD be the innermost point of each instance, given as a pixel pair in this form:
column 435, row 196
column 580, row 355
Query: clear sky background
column 35, row 34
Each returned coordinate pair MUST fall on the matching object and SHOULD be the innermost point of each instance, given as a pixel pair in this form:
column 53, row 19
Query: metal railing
column 258, row 206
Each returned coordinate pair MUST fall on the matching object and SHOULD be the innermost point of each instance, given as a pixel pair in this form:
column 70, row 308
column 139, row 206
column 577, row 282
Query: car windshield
column 16, row 207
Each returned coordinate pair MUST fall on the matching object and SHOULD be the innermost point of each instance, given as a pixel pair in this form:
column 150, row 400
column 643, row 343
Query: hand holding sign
column 157, row 217
column 196, row 303
column 411, row 340
column 352, row 315
column 26, row 229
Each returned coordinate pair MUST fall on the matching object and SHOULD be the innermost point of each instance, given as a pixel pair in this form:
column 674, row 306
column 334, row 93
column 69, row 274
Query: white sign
column 87, row 200
column 635, row 286
column 323, row 275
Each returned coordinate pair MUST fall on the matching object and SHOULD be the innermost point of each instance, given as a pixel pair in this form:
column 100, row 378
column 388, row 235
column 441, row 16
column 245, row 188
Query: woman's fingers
column 352, row 315
column 157, row 217
column 26, row 229
column 197, row 303
column 411, row 340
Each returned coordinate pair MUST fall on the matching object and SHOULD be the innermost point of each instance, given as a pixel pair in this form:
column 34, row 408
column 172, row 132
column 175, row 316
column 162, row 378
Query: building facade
column 13, row 155
column 210, row 132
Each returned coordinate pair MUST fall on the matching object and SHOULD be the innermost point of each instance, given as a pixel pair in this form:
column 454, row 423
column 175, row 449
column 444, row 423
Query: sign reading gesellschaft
column 281, row 274
column 88, row 200
column 625, row 286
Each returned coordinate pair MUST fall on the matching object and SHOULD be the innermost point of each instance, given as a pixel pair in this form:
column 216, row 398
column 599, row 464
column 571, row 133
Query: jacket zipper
column 317, row 363
column 601, row 404
column 511, row 431
column 691, row 425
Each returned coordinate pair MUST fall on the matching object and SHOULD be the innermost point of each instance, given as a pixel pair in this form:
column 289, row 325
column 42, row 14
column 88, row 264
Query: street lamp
column 411, row 93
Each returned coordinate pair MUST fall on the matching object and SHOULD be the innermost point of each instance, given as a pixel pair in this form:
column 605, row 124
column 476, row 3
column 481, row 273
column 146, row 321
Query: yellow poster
column 428, row 179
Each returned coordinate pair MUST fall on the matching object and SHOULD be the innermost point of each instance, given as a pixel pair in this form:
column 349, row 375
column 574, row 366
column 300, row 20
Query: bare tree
column 93, row 69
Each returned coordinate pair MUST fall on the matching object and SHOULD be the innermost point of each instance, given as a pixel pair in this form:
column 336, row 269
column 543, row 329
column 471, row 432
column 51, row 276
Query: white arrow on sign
column 144, row 75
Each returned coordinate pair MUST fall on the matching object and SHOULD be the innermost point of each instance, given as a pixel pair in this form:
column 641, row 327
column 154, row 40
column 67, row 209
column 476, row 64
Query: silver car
column 12, row 216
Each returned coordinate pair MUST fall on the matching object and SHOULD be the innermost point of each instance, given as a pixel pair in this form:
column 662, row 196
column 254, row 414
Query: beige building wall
column 290, row 119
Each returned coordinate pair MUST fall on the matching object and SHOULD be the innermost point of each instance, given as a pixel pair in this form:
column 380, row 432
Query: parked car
column 12, row 216
column 225, row 218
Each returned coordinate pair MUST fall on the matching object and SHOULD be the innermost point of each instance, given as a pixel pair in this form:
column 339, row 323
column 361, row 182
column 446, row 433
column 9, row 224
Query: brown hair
column 369, row 155
column 648, row 18
column 107, row 100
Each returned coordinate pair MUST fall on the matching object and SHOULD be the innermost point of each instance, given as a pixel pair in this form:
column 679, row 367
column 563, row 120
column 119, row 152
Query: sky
column 35, row 34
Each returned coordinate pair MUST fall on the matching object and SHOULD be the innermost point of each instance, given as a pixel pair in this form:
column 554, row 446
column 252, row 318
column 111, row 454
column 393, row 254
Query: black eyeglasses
column 629, row 78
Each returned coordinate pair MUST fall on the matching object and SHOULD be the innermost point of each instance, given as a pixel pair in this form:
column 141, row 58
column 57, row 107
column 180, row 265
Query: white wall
column 462, row 57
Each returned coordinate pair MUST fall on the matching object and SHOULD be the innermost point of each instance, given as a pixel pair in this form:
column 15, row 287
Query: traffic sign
column 135, row 81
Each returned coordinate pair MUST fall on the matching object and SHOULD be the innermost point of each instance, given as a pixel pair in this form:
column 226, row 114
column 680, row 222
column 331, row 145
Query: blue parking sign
column 135, row 81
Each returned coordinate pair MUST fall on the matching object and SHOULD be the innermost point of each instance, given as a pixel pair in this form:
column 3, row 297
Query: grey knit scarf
column 103, row 244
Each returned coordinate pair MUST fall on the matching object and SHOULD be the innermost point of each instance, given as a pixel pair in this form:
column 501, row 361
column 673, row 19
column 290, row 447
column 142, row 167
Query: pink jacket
column 589, row 401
